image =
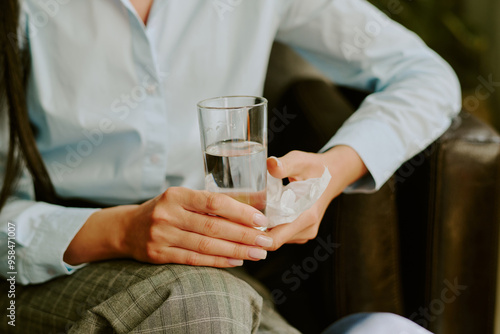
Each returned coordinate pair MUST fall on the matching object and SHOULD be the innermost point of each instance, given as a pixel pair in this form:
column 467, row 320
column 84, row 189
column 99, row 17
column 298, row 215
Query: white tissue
column 285, row 204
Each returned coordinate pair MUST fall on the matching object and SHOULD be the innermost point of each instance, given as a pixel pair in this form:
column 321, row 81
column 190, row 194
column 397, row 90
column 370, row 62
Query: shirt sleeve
column 414, row 93
column 34, row 235
column 37, row 232
column 41, row 232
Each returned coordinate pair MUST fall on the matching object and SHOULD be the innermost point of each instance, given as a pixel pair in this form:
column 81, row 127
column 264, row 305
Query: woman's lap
column 127, row 296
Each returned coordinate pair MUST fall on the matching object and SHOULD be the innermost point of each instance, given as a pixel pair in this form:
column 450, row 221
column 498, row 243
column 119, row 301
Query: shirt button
column 155, row 159
column 151, row 89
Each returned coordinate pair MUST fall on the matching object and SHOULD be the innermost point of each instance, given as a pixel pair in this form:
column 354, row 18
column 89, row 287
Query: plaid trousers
column 130, row 297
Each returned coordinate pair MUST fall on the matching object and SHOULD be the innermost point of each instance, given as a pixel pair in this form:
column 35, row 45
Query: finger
column 211, row 246
column 298, row 241
column 304, row 227
column 223, row 206
column 295, row 165
column 184, row 256
column 221, row 228
column 283, row 167
column 283, row 233
column 305, row 235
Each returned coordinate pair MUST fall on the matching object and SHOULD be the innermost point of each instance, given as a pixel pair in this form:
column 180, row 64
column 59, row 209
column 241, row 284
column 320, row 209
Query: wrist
column 120, row 220
column 346, row 167
column 102, row 237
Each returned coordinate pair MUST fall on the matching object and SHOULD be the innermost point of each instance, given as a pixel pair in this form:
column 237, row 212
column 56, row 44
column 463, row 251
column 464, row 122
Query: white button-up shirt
column 114, row 101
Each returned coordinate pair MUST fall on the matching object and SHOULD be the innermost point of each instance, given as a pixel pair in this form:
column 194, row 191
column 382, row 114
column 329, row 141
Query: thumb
column 275, row 167
column 286, row 166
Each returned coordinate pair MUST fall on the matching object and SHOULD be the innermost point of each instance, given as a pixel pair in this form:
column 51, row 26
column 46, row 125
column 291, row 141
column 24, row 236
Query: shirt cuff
column 378, row 146
column 42, row 258
column 71, row 268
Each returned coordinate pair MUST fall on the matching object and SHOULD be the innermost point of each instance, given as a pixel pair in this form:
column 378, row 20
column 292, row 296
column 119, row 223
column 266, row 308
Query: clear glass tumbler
column 233, row 132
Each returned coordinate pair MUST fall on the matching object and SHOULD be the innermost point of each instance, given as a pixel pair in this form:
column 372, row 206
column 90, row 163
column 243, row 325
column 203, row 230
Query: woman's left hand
column 344, row 165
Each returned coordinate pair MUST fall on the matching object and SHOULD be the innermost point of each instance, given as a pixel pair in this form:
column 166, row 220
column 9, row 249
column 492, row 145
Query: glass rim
column 263, row 101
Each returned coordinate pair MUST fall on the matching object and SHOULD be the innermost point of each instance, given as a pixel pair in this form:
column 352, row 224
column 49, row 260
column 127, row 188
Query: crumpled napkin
column 285, row 204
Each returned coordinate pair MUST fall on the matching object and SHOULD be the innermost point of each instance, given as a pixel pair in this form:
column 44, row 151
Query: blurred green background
column 467, row 34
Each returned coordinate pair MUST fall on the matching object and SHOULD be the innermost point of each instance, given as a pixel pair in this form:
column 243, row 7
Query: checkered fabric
column 131, row 297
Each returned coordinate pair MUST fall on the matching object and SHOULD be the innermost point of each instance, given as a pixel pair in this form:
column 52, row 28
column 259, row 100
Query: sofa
column 424, row 246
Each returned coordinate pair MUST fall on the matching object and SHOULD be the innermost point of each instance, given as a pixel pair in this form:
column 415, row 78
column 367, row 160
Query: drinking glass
column 233, row 132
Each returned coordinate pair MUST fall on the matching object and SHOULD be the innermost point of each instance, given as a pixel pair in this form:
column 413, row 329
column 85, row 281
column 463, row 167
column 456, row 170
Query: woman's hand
column 206, row 229
column 344, row 165
column 180, row 226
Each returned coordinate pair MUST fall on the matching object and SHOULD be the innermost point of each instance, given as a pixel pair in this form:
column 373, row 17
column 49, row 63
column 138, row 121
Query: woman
column 108, row 121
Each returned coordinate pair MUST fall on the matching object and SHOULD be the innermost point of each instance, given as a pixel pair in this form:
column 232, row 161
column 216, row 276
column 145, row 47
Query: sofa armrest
column 449, row 207
column 433, row 224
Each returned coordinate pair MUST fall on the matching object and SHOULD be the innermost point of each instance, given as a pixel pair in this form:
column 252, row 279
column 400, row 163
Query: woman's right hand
column 196, row 228
column 179, row 226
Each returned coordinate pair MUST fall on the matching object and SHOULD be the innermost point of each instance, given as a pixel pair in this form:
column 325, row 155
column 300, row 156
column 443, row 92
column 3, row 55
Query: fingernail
column 260, row 220
column 257, row 253
column 235, row 262
column 278, row 162
column 264, row 241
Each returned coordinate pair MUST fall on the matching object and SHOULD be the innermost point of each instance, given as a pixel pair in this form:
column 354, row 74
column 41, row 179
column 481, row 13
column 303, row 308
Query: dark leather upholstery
column 452, row 201
column 424, row 246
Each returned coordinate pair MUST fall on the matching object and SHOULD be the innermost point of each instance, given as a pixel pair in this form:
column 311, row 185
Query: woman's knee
column 375, row 323
column 183, row 299
column 210, row 293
